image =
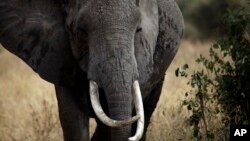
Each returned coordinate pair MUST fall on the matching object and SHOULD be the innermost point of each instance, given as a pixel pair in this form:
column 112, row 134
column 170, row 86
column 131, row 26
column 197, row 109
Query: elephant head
column 110, row 27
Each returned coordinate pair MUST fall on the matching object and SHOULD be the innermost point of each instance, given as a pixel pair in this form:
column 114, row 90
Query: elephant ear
column 34, row 30
column 146, row 38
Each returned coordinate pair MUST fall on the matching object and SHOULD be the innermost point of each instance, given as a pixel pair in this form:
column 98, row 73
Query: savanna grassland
column 28, row 105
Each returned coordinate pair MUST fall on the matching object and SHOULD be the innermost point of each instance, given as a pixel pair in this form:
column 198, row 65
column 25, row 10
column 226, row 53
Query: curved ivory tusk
column 139, row 111
column 94, row 97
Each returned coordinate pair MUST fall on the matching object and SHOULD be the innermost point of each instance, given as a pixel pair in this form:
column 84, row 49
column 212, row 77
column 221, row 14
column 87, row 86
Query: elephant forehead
column 120, row 10
column 125, row 4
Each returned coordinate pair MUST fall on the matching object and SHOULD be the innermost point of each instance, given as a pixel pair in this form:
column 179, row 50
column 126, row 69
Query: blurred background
column 28, row 107
column 203, row 18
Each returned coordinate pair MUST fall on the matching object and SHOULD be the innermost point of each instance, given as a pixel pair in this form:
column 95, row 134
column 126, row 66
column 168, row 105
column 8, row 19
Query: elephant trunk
column 119, row 98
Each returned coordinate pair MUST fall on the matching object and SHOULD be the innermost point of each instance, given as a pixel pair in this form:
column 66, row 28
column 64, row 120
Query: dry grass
column 168, row 122
column 29, row 109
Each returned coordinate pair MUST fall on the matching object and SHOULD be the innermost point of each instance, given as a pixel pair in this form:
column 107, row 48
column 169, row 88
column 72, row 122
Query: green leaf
column 189, row 107
column 197, row 133
column 216, row 45
column 185, row 66
column 177, row 72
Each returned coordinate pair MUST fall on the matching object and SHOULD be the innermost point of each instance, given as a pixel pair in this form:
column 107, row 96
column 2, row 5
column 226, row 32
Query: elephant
column 106, row 58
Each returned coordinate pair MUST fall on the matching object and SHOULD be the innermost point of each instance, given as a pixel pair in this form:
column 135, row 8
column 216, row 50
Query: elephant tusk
column 94, row 97
column 139, row 111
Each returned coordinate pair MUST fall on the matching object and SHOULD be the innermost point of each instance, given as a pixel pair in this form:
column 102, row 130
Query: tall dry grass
column 29, row 109
column 168, row 121
column 27, row 103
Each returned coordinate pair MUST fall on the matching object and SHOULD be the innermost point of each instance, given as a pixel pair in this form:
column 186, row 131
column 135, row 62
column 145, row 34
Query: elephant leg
column 102, row 132
column 73, row 113
column 150, row 103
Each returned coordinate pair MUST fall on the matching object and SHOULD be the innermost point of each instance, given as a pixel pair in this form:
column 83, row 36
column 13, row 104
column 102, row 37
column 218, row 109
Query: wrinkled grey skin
column 113, row 42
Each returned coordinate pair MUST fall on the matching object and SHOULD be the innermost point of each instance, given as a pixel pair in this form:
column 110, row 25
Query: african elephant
column 97, row 53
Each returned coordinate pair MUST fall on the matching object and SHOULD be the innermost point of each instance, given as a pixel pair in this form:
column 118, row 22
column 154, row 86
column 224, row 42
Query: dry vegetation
column 29, row 108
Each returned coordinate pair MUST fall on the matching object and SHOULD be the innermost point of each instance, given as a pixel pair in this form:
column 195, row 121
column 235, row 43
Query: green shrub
column 222, row 87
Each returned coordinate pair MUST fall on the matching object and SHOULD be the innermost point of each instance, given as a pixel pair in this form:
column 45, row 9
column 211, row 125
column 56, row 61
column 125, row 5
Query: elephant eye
column 138, row 29
column 83, row 30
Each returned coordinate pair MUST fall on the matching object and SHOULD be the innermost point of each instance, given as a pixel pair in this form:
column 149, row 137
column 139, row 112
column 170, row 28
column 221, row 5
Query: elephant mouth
column 94, row 97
